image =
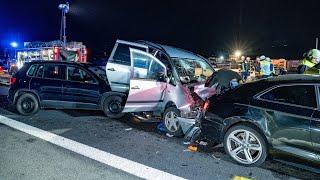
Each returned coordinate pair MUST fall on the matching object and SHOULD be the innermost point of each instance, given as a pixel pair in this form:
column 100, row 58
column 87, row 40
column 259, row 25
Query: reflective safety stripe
column 307, row 63
column 312, row 70
column 265, row 68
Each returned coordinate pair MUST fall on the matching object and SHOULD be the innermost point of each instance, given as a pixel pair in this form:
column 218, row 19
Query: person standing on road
column 244, row 69
column 272, row 71
column 264, row 67
column 310, row 63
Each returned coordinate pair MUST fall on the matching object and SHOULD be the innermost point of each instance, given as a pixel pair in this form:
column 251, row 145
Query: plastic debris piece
column 128, row 129
column 169, row 135
column 193, row 148
column 161, row 127
column 203, row 143
column 240, row 178
column 215, row 157
column 186, row 142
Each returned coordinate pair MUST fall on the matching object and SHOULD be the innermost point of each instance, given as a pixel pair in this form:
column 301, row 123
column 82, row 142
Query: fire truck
column 51, row 51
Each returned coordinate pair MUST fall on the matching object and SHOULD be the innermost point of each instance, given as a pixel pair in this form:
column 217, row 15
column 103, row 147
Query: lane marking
column 109, row 159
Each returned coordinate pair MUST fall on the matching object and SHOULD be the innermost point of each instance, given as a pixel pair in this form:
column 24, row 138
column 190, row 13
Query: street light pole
column 64, row 10
column 64, row 29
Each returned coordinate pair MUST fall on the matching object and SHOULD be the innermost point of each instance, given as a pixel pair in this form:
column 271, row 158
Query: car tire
column 171, row 123
column 27, row 104
column 113, row 106
column 251, row 151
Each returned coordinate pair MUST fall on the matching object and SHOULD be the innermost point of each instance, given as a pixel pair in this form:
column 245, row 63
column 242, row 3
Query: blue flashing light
column 14, row 44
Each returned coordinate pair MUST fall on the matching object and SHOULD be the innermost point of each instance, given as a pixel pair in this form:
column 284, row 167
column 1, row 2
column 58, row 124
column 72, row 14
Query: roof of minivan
column 174, row 52
column 177, row 52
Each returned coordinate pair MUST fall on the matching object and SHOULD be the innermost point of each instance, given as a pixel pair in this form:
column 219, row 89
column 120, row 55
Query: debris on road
column 240, row 178
column 215, row 157
column 186, row 142
column 193, row 148
column 192, row 135
column 128, row 129
column 161, row 128
column 203, row 143
column 169, row 135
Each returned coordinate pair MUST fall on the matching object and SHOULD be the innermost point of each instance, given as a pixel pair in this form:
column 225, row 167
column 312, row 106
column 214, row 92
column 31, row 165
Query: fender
column 108, row 94
column 169, row 104
column 19, row 92
column 231, row 121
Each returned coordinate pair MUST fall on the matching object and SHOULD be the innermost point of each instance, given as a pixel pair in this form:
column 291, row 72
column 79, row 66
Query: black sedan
column 278, row 116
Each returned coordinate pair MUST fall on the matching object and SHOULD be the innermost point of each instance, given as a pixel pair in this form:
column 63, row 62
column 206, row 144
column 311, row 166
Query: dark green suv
column 278, row 116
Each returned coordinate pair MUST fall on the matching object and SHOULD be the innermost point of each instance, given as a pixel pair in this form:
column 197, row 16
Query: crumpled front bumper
column 186, row 123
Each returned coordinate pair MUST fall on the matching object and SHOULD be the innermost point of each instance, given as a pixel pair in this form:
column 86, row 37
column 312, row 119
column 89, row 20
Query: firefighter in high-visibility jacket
column 265, row 67
column 310, row 64
column 244, row 69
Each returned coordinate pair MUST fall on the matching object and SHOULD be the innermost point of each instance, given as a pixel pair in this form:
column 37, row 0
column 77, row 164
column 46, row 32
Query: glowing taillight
column 12, row 81
column 56, row 50
column 206, row 105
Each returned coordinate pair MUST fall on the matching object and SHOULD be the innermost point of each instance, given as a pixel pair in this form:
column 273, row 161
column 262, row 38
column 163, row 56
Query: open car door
column 147, row 82
column 118, row 66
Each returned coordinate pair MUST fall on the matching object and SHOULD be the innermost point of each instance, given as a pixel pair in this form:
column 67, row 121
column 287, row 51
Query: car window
column 303, row 95
column 122, row 53
column 145, row 67
column 155, row 70
column 31, row 70
column 100, row 72
column 141, row 65
column 40, row 72
column 53, row 71
column 79, row 75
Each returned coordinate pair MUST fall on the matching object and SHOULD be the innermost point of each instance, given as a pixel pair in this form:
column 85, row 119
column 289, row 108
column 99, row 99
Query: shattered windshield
column 192, row 71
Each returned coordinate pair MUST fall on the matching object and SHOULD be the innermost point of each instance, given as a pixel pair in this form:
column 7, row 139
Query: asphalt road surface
column 23, row 156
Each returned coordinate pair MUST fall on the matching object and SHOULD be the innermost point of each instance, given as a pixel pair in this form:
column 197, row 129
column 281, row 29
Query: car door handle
column 111, row 69
column 135, row 87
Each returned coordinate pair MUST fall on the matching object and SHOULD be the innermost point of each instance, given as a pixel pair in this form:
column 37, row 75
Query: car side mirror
column 185, row 79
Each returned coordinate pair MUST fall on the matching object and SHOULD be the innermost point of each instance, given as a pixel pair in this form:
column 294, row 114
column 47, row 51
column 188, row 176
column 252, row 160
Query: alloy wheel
column 171, row 121
column 244, row 146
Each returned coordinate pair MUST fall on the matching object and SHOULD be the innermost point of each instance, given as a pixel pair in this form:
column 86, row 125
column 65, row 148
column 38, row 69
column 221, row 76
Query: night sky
column 279, row 28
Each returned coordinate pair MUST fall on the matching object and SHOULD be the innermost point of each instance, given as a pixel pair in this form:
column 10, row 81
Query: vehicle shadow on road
column 127, row 119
